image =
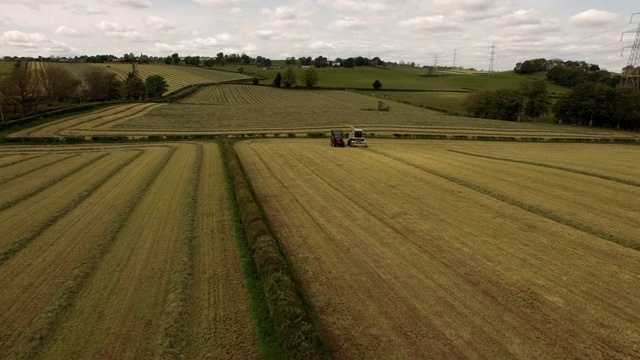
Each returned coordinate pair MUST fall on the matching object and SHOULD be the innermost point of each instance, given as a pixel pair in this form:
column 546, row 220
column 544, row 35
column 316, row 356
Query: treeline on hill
column 24, row 90
column 596, row 97
column 530, row 100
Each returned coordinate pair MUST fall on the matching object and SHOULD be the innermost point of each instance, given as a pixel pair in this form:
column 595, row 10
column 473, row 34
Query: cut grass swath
column 546, row 213
column 40, row 330
column 173, row 335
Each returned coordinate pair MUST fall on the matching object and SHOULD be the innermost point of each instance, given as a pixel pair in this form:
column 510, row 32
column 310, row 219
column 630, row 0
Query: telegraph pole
column 455, row 57
column 492, row 59
column 633, row 79
column 1, row 113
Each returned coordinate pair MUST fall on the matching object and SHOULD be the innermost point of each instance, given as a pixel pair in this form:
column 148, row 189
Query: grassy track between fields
column 291, row 320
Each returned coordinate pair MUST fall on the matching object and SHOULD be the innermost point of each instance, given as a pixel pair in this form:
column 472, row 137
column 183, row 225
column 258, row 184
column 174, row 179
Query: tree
column 310, row 76
column 22, row 88
column 155, row 86
column 289, row 76
column 209, row 62
column 167, row 60
column 377, row 85
column 320, row 62
column 175, row 58
column 133, row 87
column 101, row 84
column 220, row 58
column 535, row 97
column 278, row 80
column 58, row 84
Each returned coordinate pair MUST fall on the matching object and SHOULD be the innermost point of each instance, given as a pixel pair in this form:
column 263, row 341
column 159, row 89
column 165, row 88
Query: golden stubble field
column 436, row 249
column 120, row 251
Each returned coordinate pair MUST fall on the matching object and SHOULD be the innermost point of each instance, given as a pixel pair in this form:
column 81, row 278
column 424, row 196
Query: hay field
column 177, row 77
column 245, row 109
column 120, row 251
column 436, row 249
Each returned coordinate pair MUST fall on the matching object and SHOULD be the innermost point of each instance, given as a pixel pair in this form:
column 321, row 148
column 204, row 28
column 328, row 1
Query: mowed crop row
column 402, row 255
column 177, row 77
column 120, row 252
column 87, row 124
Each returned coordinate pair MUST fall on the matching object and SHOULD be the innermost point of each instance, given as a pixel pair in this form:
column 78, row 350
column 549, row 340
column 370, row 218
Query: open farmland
column 246, row 109
column 177, row 77
column 120, row 251
column 436, row 249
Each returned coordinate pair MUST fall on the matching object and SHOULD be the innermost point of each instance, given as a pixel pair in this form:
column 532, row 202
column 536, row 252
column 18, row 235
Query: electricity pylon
column 633, row 79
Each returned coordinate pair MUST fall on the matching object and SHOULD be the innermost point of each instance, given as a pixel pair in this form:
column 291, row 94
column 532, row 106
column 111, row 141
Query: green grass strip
column 44, row 326
column 575, row 171
column 545, row 213
column 270, row 345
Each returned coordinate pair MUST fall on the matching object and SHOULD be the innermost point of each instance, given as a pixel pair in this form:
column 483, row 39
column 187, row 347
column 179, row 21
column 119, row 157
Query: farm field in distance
column 245, row 109
column 449, row 249
column 120, row 251
column 177, row 77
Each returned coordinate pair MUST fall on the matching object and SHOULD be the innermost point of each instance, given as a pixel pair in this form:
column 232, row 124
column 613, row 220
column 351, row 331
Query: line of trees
column 288, row 78
column 601, row 105
column 529, row 101
column 24, row 90
column 542, row 64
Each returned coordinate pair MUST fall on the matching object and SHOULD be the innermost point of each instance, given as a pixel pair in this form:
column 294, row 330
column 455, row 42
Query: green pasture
column 6, row 67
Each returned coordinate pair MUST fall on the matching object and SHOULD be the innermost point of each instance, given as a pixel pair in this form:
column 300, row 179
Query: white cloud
column 36, row 5
column 33, row 41
column 20, row 39
column 229, row 6
column 81, row 9
column 349, row 22
column 66, row 31
column 362, row 7
column 157, row 23
column 593, row 17
column 209, row 42
column 133, row 4
column 437, row 24
column 112, row 26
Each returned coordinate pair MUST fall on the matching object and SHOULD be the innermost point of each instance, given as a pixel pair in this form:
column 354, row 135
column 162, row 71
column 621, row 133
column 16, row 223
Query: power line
column 632, row 80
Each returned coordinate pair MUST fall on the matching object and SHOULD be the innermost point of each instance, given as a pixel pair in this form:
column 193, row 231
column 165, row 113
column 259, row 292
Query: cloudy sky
column 423, row 31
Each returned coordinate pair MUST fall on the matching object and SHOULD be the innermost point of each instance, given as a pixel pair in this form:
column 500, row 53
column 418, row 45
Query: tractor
column 337, row 138
column 356, row 138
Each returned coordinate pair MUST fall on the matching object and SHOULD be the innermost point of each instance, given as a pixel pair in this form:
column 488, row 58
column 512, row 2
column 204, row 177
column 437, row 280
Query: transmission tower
column 455, row 57
column 492, row 59
column 633, row 79
column 435, row 63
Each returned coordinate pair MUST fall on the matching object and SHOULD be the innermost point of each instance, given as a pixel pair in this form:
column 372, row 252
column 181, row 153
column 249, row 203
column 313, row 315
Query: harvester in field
column 356, row 138
column 337, row 138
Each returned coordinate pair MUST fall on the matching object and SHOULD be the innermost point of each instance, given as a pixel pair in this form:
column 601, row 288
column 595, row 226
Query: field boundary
column 555, row 167
column 298, row 337
column 545, row 213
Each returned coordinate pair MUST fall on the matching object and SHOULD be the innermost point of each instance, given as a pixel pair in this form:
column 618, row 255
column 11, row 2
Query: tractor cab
column 337, row 138
column 356, row 138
